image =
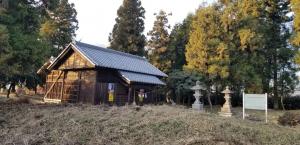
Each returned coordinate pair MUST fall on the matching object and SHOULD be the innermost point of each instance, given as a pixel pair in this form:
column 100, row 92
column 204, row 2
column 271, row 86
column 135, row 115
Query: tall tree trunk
column 208, row 85
column 189, row 101
column 8, row 91
column 275, row 97
column 275, row 79
column 11, row 89
column 35, row 90
column 282, row 93
column 35, row 86
column 177, row 94
column 209, row 99
column 183, row 100
column 281, row 101
column 208, row 89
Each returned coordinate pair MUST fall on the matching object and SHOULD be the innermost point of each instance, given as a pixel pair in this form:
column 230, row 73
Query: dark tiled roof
column 132, row 77
column 108, row 58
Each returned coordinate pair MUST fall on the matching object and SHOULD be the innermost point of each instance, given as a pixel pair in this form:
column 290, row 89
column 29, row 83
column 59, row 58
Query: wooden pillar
column 62, row 87
column 129, row 94
column 79, row 86
column 134, row 101
column 155, row 95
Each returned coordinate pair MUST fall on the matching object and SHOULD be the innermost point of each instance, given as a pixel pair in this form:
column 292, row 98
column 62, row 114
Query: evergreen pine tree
column 158, row 44
column 244, row 29
column 25, row 52
column 4, row 51
column 127, row 34
column 178, row 39
column 60, row 23
column 277, row 51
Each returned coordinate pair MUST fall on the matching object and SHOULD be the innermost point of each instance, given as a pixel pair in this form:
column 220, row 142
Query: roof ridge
column 110, row 50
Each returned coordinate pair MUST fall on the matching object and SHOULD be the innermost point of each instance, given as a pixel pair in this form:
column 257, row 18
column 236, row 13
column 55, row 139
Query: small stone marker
column 226, row 109
column 197, row 104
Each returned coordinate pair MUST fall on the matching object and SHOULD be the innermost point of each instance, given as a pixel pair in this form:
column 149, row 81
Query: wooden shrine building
column 91, row 74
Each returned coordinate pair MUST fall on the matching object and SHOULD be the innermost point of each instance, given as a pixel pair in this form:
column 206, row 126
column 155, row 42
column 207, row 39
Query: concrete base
column 198, row 107
column 224, row 114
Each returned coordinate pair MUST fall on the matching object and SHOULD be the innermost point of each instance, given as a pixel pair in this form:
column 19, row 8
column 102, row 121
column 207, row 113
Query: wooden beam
column 52, row 100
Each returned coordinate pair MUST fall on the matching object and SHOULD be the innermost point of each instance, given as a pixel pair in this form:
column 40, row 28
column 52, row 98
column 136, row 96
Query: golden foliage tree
column 296, row 10
column 206, row 52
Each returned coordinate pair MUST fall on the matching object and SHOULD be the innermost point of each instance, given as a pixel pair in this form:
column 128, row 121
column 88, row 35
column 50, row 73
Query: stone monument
column 197, row 104
column 226, row 109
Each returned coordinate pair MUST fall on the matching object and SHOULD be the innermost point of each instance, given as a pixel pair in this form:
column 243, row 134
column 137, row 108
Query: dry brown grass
column 85, row 124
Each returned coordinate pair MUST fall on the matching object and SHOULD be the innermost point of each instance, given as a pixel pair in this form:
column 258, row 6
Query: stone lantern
column 197, row 104
column 226, row 109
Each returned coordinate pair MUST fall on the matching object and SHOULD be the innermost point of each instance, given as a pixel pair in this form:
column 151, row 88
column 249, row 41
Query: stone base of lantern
column 225, row 111
column 225, row 114
column 198, row 106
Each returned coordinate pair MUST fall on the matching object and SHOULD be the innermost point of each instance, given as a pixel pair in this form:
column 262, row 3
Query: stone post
column 197, row 104
column 226, row 109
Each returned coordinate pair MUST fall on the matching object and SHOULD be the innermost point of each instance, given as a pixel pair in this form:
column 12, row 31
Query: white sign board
column 256, row 102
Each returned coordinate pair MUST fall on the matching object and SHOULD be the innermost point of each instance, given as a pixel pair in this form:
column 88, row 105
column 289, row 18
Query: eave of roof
column 131, row 77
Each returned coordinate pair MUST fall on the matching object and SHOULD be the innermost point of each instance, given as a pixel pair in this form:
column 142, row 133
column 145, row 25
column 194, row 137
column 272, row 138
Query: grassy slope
column 84, row 124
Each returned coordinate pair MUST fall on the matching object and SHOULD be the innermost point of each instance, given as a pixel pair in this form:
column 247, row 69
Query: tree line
column 30, row 32
column 241, row 43
column 246, row 44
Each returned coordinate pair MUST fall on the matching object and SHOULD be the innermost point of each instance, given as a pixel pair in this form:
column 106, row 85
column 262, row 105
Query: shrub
column 290, row 119
column 292, row 103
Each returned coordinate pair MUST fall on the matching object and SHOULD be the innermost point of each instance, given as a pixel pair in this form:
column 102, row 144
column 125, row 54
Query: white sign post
column 255, row 102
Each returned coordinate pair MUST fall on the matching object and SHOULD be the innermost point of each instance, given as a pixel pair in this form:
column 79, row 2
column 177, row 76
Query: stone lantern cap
column 198, row 86
column 227, row 91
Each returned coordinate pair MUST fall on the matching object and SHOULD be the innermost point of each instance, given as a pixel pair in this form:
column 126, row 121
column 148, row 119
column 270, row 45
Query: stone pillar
column 197, row 104
column 226, row 109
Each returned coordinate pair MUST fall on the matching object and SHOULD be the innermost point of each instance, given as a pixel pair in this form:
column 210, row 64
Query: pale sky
column 97, row 17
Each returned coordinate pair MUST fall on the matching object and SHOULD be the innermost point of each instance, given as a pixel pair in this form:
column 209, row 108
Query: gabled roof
column 108, row 58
